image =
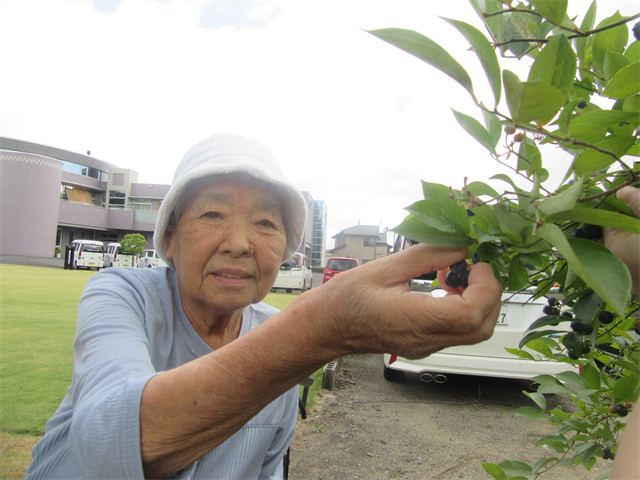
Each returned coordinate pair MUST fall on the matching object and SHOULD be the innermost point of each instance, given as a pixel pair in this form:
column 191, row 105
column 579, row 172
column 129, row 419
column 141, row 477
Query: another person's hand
column 371, row 309
column 625, row 245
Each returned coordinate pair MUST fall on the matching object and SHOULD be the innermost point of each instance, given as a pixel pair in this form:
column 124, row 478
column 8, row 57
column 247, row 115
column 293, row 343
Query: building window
column 141, row 207
column 58, row 237
column 369, row 242
column 117, row 198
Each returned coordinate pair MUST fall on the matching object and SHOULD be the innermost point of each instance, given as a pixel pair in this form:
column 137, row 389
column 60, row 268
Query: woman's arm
column 188, row 411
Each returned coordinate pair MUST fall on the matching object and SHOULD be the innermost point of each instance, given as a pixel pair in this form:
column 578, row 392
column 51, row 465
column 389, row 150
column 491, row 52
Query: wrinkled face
column 228, row 246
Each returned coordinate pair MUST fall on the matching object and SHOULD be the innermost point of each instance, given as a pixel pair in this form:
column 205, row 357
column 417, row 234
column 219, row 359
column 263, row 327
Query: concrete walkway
column 32, row 261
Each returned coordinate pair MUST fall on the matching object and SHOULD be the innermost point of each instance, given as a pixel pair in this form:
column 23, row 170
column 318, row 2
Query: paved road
column 32, row 261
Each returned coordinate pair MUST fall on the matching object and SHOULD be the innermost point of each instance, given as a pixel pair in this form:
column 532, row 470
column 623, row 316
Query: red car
column 336, row 265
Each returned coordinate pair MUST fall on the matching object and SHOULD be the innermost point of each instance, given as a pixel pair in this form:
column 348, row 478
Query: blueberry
column 566, row 314
column 636, row 31
column 475, row 258
column 593, row 232
column 458, row 266
column 605, row 317
column 587, row 329
column 622, row 410
column 549, row 310
column 572, row 356
column 455, row 279
column 607, row 454
column 579, row 233
column 552, row 301
column 581, row 104
column 577, row 326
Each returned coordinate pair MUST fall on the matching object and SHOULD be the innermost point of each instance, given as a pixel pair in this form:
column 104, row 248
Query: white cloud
column 353, row 120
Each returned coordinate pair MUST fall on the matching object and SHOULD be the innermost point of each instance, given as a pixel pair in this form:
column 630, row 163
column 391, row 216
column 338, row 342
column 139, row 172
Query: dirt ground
column 369, row 428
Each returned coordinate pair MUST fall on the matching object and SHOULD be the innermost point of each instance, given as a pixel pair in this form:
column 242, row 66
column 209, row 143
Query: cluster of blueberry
column 458, row 275
column 588, row 232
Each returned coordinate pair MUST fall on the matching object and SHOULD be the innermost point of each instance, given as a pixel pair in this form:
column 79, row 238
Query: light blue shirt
column 131, row 326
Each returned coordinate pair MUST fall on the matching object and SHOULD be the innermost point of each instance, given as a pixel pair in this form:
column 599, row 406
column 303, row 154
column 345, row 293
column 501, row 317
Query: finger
column 631, row 196
column 469, row 310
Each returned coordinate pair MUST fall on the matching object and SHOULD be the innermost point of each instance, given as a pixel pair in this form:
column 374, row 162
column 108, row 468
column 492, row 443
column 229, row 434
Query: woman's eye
column 266, row 223
column 212, row 215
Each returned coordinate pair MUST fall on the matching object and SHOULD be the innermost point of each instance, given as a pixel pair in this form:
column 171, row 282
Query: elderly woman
column 181, row 372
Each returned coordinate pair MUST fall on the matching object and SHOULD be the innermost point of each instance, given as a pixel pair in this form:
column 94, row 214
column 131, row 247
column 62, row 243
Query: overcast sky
column 352, row 120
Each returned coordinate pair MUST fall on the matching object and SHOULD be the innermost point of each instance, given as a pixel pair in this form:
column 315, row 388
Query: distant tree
column 133, row 243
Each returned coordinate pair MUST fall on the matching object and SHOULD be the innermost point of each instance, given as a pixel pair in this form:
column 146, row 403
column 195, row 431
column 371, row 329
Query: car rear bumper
column 481, row 366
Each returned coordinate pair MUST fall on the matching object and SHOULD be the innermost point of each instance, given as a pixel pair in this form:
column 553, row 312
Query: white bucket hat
column 229, row 153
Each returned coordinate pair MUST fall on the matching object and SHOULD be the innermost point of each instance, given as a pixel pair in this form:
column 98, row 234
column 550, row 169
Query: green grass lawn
column 38, row 308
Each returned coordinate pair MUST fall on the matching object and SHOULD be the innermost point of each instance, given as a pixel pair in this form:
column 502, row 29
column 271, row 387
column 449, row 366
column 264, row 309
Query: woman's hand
column 371, row 309
column 625, row 245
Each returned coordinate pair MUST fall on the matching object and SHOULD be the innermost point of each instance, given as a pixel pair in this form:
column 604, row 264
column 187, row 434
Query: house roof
column 360, row 230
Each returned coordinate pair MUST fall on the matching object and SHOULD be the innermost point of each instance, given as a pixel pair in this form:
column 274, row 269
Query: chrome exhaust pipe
column 440, row 378
column 426, row 377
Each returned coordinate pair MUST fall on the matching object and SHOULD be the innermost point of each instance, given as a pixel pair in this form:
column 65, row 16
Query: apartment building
column 50, row 197
column 362, row 242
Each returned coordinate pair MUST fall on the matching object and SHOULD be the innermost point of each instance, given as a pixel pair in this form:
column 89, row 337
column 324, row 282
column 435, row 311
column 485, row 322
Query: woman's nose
column 236, row 242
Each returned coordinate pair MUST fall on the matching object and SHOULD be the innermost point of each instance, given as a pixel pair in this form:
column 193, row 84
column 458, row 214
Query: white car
column 114, row 256
column 87, row 254
column 295, row 274
column 149, row 259
column 488, row 358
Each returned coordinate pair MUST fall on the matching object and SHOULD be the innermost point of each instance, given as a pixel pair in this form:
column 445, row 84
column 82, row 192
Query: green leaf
column 613, row 63
column 563, row 201
column 625, row 83
column 594, row 264
column 583, row 395
column 487, row 251
column 475, row 129
column 548, row 320
column 538, row 398
column 577, row 425
column 426, row 50
column 551, row 388
column 591, row 160
column 480, row 188
column 518, row 276
column 529, row 101
column 529, row 157
column 625, row 388
column 540, row 347
column 495, row 471
column 587, row 306
column 552, row 439
column 603, row 218
column 592, row 375
column 414, row 229
column 598, row 120
column 581, row 42
column 612, row 39
column 572, row 378
column 555, row 65
column 633, row 52
column 514, row 467
column 533, row 335
column 494, row 127
column 430, row 213
column 436, row 192
column 532, row 414
column 554, row 11
column 485, row 53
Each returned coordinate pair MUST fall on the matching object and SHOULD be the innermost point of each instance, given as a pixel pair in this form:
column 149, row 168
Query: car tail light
column 393, row 359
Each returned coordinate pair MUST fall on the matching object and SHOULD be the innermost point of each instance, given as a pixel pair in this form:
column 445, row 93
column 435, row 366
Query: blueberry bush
column 581, row 96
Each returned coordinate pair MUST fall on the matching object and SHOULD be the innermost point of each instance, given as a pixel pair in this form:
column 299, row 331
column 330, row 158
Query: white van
column 114, row 256
column 295, row 274
column 87, row 254
column 150, row 258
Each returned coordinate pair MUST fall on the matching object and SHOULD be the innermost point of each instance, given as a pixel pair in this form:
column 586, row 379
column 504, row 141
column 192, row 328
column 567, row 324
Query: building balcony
column 76, row 214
